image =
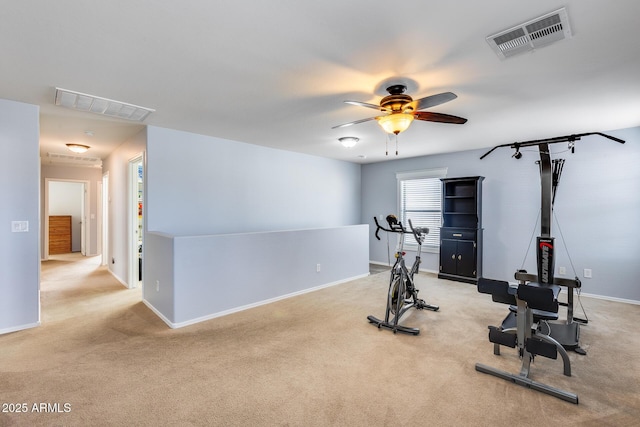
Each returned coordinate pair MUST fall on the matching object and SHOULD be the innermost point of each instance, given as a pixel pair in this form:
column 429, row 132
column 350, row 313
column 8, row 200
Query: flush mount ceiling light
column 396, row 122
column 348, row 141
column 78, row 148
column 95, row 104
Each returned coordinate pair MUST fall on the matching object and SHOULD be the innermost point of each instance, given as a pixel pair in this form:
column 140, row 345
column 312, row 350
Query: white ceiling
column 276, row 73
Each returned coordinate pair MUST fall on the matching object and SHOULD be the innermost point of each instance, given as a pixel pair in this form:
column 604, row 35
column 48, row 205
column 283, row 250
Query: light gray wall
column 94, row 176
column 597, row 208
column 205, row 185
column 195, row 278
column 117, row 164
column 158, row 267
column 197, row 184
column 19, row 193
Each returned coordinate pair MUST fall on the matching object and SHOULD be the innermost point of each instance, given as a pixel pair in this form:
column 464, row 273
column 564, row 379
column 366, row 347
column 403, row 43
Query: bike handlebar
column 399, row 228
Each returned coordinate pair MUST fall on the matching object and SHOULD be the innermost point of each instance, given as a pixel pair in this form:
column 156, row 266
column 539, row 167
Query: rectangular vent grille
column 532, row 34
column 95, row 104
column 74, row 160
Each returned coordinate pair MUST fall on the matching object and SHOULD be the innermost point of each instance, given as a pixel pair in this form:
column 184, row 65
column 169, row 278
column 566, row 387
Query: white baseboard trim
column 157, row 312
column 19, row 328
column 122, row 282
column 248, row 306
column 606, row 298
column 595, row 296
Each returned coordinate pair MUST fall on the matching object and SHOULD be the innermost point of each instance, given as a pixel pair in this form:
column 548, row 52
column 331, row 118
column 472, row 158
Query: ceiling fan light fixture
column 396, row 122
column 78, row 148
column 348, row 141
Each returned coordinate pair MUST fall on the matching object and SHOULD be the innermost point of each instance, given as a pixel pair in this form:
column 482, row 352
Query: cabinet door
column 448, row 256
column 466, row 258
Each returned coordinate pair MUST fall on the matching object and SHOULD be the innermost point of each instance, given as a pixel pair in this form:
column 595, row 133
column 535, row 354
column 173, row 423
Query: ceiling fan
column 401, row 110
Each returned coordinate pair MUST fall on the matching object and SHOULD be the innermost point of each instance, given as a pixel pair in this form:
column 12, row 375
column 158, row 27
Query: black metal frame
column 567, row 332
column 548, row 183
column 567, row 138
column 529, row 339
column 402, row 294
column 531, row 303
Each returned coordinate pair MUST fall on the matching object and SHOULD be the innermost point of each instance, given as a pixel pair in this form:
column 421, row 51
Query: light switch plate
column 19, row 226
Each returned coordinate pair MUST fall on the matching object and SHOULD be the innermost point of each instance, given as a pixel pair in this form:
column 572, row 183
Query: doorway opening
column 136, row 221
column 103, row 234
column 65, row 221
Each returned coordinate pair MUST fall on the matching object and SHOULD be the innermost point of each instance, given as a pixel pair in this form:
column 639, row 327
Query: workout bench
column 530, row 304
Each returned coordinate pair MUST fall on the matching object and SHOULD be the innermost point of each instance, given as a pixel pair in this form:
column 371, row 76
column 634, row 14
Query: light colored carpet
column 312, row 360
column 378, row 268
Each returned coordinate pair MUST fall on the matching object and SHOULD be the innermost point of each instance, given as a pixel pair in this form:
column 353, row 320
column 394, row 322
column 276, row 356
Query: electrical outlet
column 562, row 270
column 113, row 260
column 157, row 285
column 317, row 268
column 587, row 273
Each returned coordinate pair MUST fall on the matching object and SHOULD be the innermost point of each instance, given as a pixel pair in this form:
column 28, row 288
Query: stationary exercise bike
column 402, row 294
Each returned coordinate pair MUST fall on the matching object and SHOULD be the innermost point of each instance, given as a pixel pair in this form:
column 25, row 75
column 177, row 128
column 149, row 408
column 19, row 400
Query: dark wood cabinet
column 461, row 231
column 59, row 234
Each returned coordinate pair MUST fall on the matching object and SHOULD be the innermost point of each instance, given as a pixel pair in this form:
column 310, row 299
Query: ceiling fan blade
column 354, row 123
column 432, row 101
column 438, row 117
column 364, row 104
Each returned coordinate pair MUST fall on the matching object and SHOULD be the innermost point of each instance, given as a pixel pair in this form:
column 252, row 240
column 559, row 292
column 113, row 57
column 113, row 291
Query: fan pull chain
column 386, row 141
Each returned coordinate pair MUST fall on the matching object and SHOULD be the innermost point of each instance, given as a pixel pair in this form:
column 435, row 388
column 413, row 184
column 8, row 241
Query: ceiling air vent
column 531, row 35
column 72, row 160
column 98, row 105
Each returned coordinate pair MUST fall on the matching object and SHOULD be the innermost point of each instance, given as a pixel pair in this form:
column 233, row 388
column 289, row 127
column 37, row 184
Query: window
column 420, row 199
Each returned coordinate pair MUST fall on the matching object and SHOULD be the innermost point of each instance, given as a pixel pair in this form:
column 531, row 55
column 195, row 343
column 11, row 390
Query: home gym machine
column 402, row 294
column 531, row 304
column 534, row 300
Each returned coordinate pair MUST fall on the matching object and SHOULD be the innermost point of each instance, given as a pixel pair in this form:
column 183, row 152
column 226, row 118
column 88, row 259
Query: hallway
column 72, row 285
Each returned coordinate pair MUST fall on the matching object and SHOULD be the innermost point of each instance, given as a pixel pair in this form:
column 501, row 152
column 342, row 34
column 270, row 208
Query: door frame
column 85, row 210
column 134, row 253
column 103, row 218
